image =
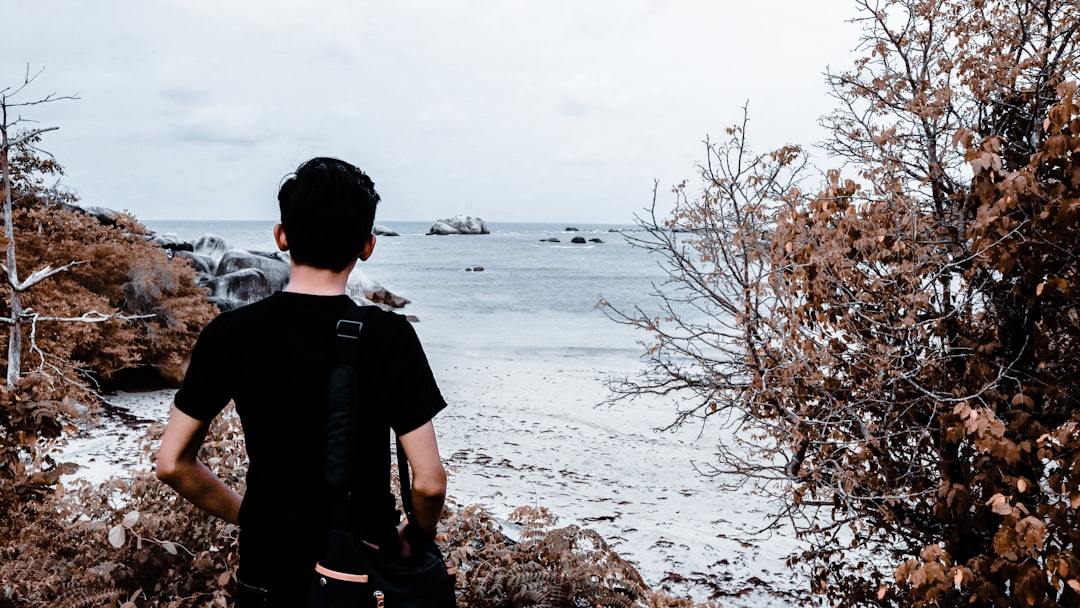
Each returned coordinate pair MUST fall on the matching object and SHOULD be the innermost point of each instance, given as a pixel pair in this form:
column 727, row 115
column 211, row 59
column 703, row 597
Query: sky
column 512, row 111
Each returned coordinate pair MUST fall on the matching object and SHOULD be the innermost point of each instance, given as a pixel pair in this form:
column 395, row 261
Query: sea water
column 532, row 299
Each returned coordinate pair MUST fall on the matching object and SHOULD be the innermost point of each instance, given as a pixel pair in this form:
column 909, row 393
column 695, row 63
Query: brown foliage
column 131, row 541
column 74, row 334
column 135, row 543
column 123, row 273
column 898, row 353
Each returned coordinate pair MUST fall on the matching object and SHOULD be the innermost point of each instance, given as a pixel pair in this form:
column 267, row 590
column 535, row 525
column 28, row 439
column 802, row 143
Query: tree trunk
column 14, row 354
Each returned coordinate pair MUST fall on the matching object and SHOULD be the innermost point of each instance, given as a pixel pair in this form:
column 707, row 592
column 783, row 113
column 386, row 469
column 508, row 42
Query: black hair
column 327, row 212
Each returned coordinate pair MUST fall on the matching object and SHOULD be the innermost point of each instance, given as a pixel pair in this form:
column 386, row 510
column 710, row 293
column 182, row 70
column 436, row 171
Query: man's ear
column 369, row 246
column 280, row 239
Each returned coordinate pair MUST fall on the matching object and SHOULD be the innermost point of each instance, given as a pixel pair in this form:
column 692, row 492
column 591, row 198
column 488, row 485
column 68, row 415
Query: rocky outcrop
column 204, row 265
column 211, row 245
column 234, row 277
column 578, row 239
column 171, row 242
column 363, row 287
column 383, row 231
column 459, row 224
column 235, row 289
column 274, row 266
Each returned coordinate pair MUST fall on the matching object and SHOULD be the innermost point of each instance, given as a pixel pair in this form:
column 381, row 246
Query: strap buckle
column 349, row 329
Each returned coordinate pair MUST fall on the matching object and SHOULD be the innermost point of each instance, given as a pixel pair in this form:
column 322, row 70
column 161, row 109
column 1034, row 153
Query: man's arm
column 429, row 476
column 179, row 467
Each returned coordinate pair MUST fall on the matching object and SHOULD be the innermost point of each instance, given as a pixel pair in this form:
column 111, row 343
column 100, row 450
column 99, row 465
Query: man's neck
column 317, row 281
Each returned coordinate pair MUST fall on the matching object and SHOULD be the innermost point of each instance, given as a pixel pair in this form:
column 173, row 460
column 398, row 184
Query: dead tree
column 11, row 138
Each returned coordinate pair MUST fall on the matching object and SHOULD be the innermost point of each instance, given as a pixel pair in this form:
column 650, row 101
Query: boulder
column 274, row 266
column 224, row 304
column 237, row 288
column 362, row 286
column 389, row 300
column 550, row 240
column 171, row 242
column 570, row 229
column 203, row 264
column 211, row 245
column 578, row 239
column 104, row 215
column 459, row 224
column 596, row 240
column 383, row 231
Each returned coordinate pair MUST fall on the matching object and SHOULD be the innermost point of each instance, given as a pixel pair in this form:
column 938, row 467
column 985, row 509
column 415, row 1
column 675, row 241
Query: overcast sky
column 515, row 110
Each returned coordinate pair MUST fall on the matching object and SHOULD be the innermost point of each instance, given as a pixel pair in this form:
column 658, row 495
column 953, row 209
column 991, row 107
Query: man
column 272, row 359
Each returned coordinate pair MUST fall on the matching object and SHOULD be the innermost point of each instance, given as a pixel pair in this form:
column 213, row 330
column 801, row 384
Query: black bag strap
column 406, row 485
column 343, row 414
column 343, row 403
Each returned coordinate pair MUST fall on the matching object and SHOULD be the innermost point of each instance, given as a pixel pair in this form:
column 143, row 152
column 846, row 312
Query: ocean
column 532, row 299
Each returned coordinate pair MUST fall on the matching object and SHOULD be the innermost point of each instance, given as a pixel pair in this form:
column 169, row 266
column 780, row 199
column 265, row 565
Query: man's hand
column 428, row 479
column 413, row 539
column 179, row 467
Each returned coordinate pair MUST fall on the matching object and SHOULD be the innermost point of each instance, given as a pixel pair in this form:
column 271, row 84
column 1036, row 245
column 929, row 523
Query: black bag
column 420, row 581
column 353, row 572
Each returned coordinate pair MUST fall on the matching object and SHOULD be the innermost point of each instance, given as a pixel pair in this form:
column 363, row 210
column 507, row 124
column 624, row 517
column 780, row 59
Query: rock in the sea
column 274, row 266
column 570, row 229
column 578, row 239
column 596, row 240
column 383, row 231
column 459, row 224
column 550, row 240
column 362, row 286
column 386, row 298
column 243, row 286
column 211, row 245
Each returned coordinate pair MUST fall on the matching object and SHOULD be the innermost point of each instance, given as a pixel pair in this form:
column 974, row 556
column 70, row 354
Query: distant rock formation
column 550, row 239
column 578, row 239
column 383, row 231
column 459, row 224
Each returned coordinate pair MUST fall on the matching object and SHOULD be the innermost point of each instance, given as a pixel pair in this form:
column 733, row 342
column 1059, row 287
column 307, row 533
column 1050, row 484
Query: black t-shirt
column 273, row 358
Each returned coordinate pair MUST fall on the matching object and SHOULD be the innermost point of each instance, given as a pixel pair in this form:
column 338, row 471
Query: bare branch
column 23, row 137
column 90, row 317
column 39, row 275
